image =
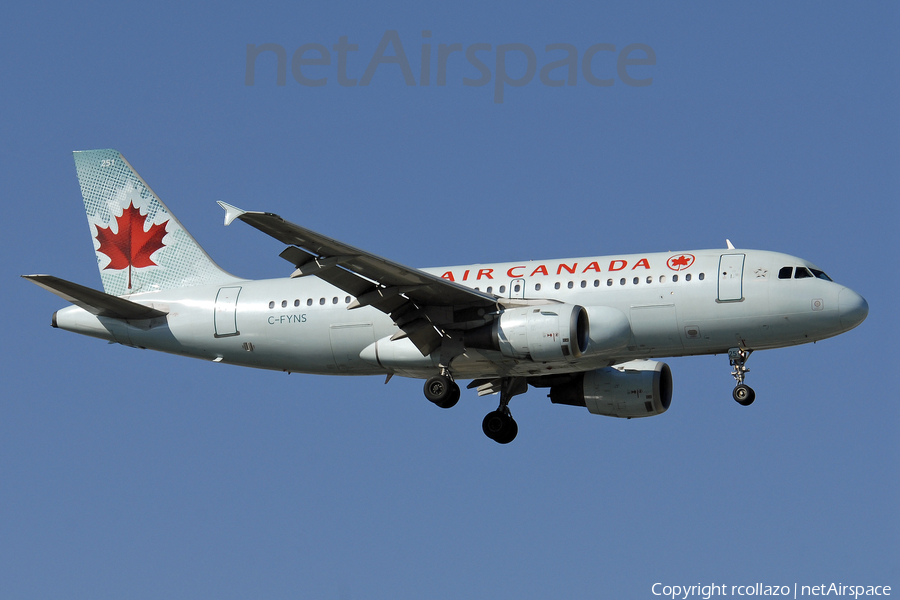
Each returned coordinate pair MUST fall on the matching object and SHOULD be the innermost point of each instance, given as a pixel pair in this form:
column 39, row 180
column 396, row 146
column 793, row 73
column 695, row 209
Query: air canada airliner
column 588, row 329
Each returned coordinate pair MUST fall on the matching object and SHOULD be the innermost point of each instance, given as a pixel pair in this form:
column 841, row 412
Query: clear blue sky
column 131, row 474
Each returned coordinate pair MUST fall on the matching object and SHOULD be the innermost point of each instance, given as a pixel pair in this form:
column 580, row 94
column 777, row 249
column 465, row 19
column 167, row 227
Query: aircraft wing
column 424, row 306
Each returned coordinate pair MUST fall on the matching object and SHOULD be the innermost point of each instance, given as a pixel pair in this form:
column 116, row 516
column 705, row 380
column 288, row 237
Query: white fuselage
column 699, row 302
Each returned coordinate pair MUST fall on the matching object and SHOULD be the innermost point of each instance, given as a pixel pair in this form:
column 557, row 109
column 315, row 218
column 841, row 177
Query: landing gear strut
column 442, row 390
column 743, row 394
column 499, row 424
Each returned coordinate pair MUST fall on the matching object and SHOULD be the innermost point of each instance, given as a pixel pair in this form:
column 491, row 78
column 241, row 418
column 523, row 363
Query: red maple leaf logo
column 678, row 263
column 132, row 246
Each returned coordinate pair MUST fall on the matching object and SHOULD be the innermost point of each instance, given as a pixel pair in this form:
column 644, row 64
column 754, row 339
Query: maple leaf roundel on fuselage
column 131, row 246
column 679, row 262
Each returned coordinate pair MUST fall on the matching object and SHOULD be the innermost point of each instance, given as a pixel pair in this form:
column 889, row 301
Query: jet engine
column 554, row 332
column 542, row 333
column 640, row 388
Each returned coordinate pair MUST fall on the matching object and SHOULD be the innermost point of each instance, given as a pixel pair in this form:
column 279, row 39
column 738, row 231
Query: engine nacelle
column 640, row 388
column 553, row 332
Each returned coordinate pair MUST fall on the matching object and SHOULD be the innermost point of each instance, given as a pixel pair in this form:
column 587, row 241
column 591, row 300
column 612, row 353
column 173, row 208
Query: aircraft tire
column 438, row 389
column 512, row 431
column 500, row 427
column 452, row 397
column 743, row 394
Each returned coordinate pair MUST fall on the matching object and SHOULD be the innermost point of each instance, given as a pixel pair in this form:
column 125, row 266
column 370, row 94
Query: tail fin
column 140, row 245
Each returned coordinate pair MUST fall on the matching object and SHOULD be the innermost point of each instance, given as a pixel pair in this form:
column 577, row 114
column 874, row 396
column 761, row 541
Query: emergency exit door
column 731, row 276
column 517, row 288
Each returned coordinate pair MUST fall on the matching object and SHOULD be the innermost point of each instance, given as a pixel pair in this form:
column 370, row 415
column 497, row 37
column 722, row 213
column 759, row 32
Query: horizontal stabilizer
column 94, row 301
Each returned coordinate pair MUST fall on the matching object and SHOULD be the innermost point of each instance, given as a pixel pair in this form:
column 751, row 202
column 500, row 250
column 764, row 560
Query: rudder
column 140, row 245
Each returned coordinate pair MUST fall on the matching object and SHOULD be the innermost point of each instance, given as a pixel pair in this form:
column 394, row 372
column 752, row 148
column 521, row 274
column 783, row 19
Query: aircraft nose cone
column 853, row 308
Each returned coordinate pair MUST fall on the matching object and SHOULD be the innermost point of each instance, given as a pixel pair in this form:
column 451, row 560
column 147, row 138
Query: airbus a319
column 588, row 329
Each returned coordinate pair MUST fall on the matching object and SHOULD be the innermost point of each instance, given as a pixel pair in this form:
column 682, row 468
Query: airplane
column 587, row 329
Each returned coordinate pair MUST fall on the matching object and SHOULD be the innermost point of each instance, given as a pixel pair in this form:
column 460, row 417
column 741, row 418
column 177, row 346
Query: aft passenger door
column 226, row 312
column 731, row 275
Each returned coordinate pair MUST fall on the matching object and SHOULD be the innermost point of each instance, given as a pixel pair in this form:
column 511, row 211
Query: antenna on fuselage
column 729, row 244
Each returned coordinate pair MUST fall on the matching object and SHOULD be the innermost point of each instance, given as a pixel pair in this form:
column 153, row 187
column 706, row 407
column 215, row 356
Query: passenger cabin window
column 309, row 301
column 802, row 273
column 502, row 289
column 296, row 303
column 556, row 285
column 570, row 285
column 272, row 304
column 702, row 276
column 674, row 278
column 687, row 277
column 785, row 272
column 537, row 287
column 284, row 304
column 609, row 282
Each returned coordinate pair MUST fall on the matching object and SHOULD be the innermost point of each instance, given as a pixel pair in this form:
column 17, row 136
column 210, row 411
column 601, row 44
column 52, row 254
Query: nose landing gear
column 743, row 394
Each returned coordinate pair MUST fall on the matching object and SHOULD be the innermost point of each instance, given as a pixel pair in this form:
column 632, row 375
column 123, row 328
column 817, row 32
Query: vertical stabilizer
column 140, row 245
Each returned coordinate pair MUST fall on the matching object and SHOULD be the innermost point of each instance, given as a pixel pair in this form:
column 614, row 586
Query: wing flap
column 296, row 256
column 349, row 282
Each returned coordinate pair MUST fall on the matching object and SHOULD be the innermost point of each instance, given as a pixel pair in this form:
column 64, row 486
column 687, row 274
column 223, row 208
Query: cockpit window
column 802, row 273
column 820, row 274
column 785, row 272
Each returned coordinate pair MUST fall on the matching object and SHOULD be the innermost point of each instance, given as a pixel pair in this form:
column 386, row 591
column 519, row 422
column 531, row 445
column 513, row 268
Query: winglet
column 727, row 241
column 231, row 212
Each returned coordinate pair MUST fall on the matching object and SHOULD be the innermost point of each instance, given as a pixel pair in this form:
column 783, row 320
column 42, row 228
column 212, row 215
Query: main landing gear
column 499, row 424
column 442, row 390
column 743, row 394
